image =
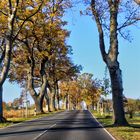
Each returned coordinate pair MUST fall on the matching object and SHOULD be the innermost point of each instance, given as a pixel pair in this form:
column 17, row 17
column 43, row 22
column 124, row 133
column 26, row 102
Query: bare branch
column 130, row 20
column 2, row 51
column 128, row 23
column 110, row 2
column 14, row 13
column 2, row 56
column 3, row 13
column 137, row 1
column 100, row 30
column 124, row 36
column 10, row 6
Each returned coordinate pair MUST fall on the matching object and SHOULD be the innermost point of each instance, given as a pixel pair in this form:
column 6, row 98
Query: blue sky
column 84, row 41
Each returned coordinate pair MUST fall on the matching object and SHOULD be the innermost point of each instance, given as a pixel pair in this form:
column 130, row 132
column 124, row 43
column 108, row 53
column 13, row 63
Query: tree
column 64, row 88
column 132, row 105
column 12, row 13
column 90, row 88
column 30, row 70
column 137, row 1
column 63, row 70
column 41, row 42
column 79, row 88
column 16, row 103
column 107, row 17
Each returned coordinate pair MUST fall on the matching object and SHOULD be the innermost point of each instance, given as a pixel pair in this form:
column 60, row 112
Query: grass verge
column 131, row 132
column 11, row 121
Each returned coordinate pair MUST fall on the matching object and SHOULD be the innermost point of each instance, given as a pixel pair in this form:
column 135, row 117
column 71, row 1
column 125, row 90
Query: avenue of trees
column 35, row 54
column 81, row 88
column 33, row 47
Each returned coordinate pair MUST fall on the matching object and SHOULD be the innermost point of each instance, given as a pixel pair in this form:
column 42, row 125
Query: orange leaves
column 41, row 37
column 82, row 88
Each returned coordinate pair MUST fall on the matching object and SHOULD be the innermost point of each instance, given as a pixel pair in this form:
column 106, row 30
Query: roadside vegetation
column 18, row 119
column 131, row 132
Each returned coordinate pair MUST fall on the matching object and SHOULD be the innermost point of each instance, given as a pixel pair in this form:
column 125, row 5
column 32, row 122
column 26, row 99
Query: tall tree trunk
column 1, row 108
column 51, row 102
column 58, row 97
column 130, row 114
column 2, row 119
column 39, row 105
column 93, row 105
column 37, row 97
column 58, row 102
column 117, row 95
column 48, row 101
column 54, row 99
column 4, row 73
column 67, row 101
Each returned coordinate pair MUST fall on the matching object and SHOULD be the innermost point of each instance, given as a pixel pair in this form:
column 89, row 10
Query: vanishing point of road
column 67, row 125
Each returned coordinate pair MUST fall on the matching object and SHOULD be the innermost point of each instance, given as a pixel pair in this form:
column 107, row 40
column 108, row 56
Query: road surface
column 67, row 125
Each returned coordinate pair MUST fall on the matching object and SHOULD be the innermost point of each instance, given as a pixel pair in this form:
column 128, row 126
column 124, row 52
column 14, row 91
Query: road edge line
column 37, row 137
column 102, row 127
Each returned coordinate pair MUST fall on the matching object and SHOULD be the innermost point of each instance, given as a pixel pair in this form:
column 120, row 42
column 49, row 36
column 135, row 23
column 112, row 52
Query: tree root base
column 121, row 124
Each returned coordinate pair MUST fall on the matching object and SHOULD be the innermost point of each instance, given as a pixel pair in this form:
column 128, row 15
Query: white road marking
column 37, row 137
column 103, row 127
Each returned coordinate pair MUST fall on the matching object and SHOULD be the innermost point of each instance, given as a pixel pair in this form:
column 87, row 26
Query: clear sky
column 84, row 41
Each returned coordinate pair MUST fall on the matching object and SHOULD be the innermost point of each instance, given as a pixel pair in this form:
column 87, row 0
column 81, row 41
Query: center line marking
column 44, row 132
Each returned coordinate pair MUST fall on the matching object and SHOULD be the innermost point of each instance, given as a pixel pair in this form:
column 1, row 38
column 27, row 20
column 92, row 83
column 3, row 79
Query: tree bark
column 117, row 95
column 51, row 102
column 4, row 72
column 38, row 98
column 7, row 56
column 67, row 101
column 58, row 102
column 39, row 105
column 54, row 103
column 131, row 114
column 58, row 97
column 1, row 109
column 2, row 119
column 48, row 101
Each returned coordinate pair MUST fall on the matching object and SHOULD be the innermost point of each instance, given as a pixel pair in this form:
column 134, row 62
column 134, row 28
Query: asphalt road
column 68, row 125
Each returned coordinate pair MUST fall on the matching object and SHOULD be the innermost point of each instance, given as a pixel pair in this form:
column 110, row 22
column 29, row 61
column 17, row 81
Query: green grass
column 11, row 121
column 131, row 132
column 2, row 125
